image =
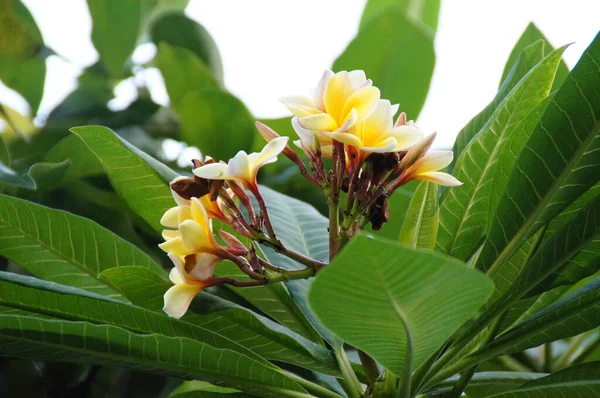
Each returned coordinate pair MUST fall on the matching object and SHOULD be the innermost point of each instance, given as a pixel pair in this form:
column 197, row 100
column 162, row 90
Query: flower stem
column 279, row 247
column 264, row 213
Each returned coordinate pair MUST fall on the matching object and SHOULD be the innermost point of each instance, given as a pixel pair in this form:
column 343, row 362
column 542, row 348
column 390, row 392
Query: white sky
column 272, row 48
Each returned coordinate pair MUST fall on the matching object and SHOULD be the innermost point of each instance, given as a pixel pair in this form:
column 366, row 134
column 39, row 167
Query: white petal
column 384, row 146
column 439, row 178
column 320, row 122
column 213, row 171
column 178, row 299
column 346, row 138
column 406, row 136
column 319, row 93
column 300, row 105
column 239, row 166
column 194, row 236
column 205, row 266
column 170, row 218
column 357, row 78
column 178, row 274
column 269, row 153
column 306, row 135
column 434, row 161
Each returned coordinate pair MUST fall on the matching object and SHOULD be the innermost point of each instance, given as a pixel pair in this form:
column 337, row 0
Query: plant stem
column 349, row 381
column 264, row 213
column 313, row 388
column 334, row 220
column 276, row 245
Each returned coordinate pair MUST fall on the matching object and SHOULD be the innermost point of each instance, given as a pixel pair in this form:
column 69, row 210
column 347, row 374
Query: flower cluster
column 346, row 121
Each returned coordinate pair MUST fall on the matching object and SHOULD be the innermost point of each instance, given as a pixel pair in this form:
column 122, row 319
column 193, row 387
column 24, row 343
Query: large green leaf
column 530, row 35
column 424, row 11
column 217, row 122
column 373, row 288
column 557, row 164
column 83, row 342
column 381, row 48
column 553, row 253
column 259, row 334
column 580, row 381
column 142, row 188
column 182, row 71
column 527, row 59
column 115, row 27
column 61, row 247
column 177, row 30
column 464, row 211
column 58, row 301
column 420, row 225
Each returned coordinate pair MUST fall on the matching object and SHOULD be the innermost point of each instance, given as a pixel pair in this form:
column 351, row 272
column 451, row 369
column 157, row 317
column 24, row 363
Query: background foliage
column 80, row 207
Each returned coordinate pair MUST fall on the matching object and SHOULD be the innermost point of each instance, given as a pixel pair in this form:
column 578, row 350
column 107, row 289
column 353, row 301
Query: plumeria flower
column 243, row 167
column 192, row 248
column 427, row 168
column 185, row 287
column 339, row 101
column 377, row 134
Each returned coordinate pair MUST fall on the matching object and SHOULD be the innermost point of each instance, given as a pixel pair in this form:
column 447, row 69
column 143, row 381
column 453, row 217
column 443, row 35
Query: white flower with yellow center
column 243, row 167
column 427, row 168
column 339, row 101
column 377, row 133
column 193, row 250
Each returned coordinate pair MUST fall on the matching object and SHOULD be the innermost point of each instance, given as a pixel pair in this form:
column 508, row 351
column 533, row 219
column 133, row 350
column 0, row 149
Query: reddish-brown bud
column 190, row 187
column 379, row 213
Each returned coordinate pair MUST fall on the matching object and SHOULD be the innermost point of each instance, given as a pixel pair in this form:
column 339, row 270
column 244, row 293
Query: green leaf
column 26, row 77
column 4, row 152
column 573, row 209
column 464, row 211
column 485, row 383
column 83, row 162
column 553, row 253
column 360, row 294
column 115, row 29
column 178, row 30
column 194, row 388
column 268, row 339
column 63, row 248
column 182, row 71
column 38, row 177
column 528, row 58
column 576, row 381
column 58, row 301
column 557, row 164
column 424, row 11
column 22, row 64
column 217, row 122
column 531, row 35
column 142, row 188
column 82, row 342
column 381, row 48
column 420, row 225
